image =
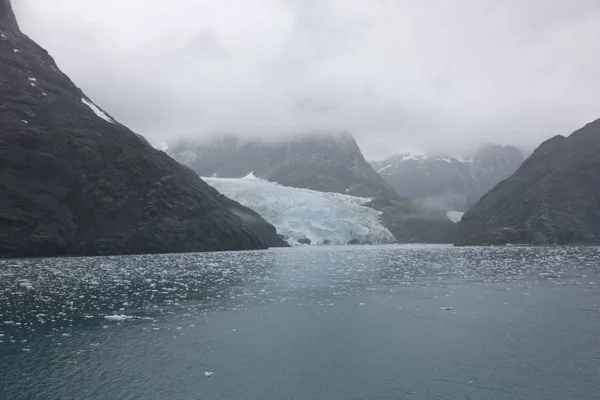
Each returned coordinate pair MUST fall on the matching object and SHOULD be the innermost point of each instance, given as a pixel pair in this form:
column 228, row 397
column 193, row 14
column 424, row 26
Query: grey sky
column 399, row 74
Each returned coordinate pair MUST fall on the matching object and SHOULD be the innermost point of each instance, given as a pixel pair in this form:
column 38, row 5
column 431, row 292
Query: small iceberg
column 117, row 317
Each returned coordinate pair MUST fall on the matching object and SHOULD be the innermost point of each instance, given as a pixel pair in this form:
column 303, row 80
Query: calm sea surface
column 352, row 322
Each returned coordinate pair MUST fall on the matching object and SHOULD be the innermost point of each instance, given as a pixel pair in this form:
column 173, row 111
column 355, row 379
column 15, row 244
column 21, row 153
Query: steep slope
column 324, row 162
column 553, row 198
column 306, row 216
column 448, row 183
column 73, row 181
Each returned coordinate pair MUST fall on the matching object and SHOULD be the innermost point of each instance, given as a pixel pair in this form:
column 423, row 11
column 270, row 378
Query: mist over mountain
column 439, row 77
column 326, row 162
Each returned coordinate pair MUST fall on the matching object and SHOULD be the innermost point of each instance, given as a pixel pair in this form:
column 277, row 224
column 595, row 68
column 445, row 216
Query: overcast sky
column 429, row 75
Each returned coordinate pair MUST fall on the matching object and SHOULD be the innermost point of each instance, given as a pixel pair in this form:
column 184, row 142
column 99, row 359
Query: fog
column 434, row 76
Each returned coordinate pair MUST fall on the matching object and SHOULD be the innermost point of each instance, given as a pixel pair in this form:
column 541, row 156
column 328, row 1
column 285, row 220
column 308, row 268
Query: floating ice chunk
column 97, row 111
column 208, row 374
column 117, row 317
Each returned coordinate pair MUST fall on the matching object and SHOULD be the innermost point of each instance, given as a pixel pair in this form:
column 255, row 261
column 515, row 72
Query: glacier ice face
column 300, row 214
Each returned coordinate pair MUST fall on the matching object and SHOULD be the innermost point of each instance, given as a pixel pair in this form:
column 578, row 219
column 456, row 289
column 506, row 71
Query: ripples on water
column 55, row 298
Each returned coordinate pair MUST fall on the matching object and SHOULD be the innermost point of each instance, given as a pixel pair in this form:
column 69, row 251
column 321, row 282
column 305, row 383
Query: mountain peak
column 8, row 21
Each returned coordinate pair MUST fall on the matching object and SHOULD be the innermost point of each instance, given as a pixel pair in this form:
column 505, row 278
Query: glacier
column 300, row 214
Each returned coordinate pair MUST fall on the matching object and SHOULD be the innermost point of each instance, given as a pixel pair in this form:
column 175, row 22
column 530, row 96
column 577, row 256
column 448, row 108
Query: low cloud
column 438, row 76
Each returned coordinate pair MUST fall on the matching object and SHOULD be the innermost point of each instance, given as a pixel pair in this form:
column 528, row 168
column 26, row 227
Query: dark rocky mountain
column 447, row 183
column 326, row 163
column 73, row 181
column 553, row 198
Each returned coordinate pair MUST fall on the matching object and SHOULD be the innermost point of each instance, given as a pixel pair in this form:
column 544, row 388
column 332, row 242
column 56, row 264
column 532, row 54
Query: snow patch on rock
column 97, row 110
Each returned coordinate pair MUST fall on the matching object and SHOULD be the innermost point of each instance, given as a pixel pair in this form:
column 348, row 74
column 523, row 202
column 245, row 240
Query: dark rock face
column 325, row 163
column 553, row 198
column 447, row 183
column 73, row 181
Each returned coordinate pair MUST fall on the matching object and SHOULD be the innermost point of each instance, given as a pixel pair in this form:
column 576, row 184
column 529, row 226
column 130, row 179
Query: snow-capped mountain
column 449, row 183
column 306, row 216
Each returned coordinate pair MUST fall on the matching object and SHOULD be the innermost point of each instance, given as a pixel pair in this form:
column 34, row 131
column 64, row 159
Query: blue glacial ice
column 323, row 218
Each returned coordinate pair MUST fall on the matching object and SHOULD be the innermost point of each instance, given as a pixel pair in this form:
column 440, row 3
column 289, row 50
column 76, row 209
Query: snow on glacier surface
column 303, row 213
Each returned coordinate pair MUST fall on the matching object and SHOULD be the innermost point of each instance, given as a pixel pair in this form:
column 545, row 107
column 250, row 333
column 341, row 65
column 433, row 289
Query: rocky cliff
column 74, row 181
column 553, row 198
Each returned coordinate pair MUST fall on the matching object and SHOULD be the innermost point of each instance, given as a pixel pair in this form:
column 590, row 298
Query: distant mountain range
column 554, row 197
column 323, row 162
column 74, row 181
column 448, row 183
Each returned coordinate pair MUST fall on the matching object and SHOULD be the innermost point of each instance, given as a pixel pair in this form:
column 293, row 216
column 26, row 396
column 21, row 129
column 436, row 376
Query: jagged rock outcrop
column 447, row 183
column 553, row 198
column 73, row 181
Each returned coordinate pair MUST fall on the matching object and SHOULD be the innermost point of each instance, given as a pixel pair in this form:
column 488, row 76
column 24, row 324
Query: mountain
column 73, row 181
column 554, row 197
column 448, row 183
column 306, row 216
column 321, row 162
